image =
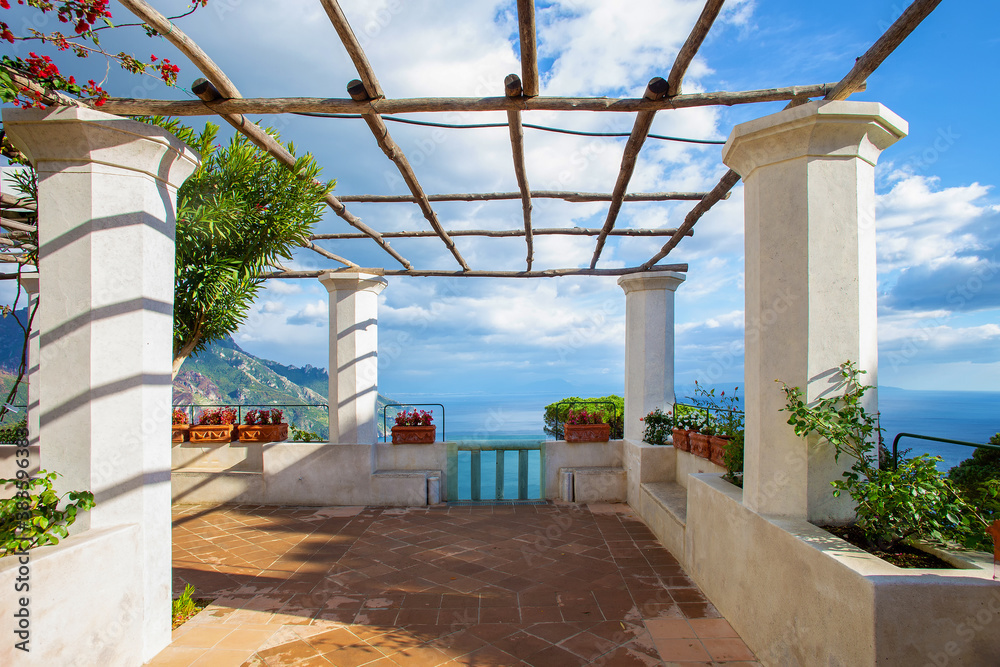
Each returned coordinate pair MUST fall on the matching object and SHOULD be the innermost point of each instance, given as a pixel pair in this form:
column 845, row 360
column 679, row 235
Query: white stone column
column 353, row 355
column 29, row 282
column 106, row 203
column 649, row 345
column 810, row 285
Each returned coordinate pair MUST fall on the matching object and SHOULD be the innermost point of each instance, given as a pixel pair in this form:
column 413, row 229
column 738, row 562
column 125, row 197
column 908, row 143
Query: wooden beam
column 353, row 46
column 881, row 49
column 206, row 91
column 535, row 194
column 17, row 226
column 329, row 255
column 727, row 183
column 656, row 89
column 142, row 107
column 512, row 85
column 395, row 153
column 185, row 44
column 692, row 44
column 11, row 201
column 547, row 273
column 507, row 233
column 529, row 49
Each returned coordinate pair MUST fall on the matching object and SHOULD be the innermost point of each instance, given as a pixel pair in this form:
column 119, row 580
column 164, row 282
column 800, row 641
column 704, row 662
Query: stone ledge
column 671, row 497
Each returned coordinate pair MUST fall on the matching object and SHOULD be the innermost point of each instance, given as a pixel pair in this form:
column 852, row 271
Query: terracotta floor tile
column 287, row 654
column 489, row 656
column 176, row 656
column 629, row 657
column 588, row 646
column 712, row 627
column 554, row 656
column 222, row 658
column 670, row 629
column 681, row 650
column 352, row 656
column 723, row 649
column 244, row 639
column 203, row 636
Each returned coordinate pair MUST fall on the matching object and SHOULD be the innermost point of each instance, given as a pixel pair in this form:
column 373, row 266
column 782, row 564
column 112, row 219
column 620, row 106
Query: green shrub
column 556, row 413
column 15, row 433
column 29, row 520
column 977, row 479
column 301, row 435
column 733, row 458
column 659, row 425
column 912, row 500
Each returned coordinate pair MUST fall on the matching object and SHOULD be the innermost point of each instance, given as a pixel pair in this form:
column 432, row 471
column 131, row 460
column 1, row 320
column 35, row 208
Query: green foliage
column 687, row 418
column 557, row 413
column 239, row 214
column 183, row 606
column 912, row 500
column 14, row 433
column 659, row 426
column 299, row 435
column 32, row 518
column 733, row 458
column 978, row 482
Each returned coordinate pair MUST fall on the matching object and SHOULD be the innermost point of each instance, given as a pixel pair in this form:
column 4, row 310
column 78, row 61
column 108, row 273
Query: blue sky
column 938, row 212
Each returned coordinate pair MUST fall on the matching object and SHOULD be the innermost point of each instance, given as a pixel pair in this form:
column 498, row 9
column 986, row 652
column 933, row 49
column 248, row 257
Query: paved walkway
column 547, row 585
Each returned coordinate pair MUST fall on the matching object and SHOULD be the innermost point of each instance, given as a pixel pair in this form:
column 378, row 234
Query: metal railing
column 189, row 407
column 915, row 436
column 386, row 432
column 501, row 447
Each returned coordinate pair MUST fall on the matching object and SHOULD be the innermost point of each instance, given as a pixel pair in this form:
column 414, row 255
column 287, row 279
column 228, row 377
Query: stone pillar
column 810, row 285
column 649, row 345
column 29, row 282
column 106, row 201
column 353, row 355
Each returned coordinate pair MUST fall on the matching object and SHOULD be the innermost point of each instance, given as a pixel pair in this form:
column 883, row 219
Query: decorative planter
column 699, row 444
column 717, row 448
column 217, row 433
column 587, row 432
column 681, row 440
column 413, row 435
column 180, row 432
column 263, row 432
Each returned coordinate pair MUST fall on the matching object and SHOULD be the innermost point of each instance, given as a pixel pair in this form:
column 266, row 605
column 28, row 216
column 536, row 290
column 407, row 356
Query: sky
column 937, row 214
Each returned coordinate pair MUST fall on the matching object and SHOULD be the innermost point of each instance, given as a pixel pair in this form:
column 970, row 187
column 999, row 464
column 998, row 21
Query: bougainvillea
column 414, row 418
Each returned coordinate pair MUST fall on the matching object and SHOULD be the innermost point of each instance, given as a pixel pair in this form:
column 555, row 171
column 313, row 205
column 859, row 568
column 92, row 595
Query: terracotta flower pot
column 587, row 432
column 699, row 444
column 263, row 432
column 215, row 433
column 717, row 448
column 413, row 435
column 180, row 432
column 681, row 440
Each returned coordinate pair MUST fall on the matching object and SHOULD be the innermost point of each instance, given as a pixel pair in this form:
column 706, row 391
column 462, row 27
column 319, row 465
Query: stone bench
column 663, row 505
column 592, row 484
column 412, row 488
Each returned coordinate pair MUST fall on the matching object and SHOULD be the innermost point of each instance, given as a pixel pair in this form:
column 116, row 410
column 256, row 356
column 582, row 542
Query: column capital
column 61, row 138
column 651, row 280
column 830, row 129
column 29, row 283
column 340, row 281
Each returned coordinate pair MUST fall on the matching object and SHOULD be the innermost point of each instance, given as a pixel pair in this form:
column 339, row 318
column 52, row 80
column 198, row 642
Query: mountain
column 225, row 374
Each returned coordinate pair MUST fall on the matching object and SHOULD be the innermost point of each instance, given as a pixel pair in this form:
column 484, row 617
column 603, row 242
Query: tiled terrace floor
column 547, row 585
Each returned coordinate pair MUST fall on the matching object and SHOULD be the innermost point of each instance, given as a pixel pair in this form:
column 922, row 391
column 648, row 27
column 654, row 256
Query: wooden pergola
column 220, row 96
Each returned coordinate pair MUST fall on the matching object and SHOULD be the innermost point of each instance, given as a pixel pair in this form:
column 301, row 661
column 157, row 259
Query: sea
column 968, row 416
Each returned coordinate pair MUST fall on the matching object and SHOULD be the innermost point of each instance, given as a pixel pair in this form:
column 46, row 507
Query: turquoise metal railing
column 500, row 447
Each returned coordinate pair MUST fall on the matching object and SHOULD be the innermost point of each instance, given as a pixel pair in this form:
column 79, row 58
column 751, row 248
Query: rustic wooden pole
column 329, row 255
column 513, row 88
column 529, row 50
column 881, row 49
column 535, row 194
column 507, row 233
column 185, row 44
column 395, row 153
column 656, row 89
column 727, row 183
column 692, row 44
column 141, row 107
column 353, row 46
column 207, row 92
column 547, row 273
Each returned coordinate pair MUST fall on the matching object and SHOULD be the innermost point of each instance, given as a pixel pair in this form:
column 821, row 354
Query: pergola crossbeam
column 547, row 273
column 329, row 255
column 534, row 194
column 277, row 105
column 690, row 48
column 508, row 233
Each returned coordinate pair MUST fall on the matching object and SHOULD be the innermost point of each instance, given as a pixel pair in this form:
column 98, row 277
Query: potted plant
column 217, row 425
column 658, row 426
column 263, row 426
column 584, row 426
column 180, row 426
column 729, row 424
column 414, row 428
column 699, row 437
column 684, row 424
